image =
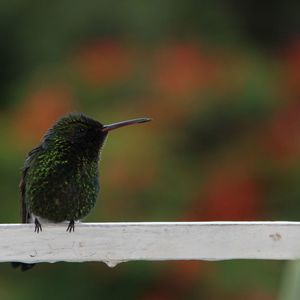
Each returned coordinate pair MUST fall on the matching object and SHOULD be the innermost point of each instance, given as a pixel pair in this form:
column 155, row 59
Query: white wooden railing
column 114, row 243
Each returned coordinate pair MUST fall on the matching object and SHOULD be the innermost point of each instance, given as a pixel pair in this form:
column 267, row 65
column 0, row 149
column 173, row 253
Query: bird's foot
column 71, row 226
column 38, row 226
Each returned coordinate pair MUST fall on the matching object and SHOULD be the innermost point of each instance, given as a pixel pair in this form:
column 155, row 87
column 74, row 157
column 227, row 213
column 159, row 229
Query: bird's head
column 83, row 133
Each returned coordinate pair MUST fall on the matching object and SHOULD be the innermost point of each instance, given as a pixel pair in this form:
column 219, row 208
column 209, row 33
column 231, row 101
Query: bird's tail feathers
column 22, row 266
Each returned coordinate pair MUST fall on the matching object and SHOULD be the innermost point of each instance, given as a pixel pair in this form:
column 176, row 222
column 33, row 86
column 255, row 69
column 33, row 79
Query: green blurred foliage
column 221, row 81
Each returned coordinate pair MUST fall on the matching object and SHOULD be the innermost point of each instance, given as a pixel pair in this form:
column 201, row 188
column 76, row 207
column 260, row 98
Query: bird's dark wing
column 25, row 214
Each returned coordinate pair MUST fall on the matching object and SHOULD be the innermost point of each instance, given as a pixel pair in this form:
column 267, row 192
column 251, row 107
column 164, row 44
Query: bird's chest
column 83, row 179
column 66, row 190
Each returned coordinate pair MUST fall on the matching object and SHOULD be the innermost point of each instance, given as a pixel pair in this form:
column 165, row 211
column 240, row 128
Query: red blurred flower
column 181, row 69
column 282, row 138
column 180, row 72
column 39, row 110
column 104, row 62
column 187, row 273
column 291, row 64
column 229, row 194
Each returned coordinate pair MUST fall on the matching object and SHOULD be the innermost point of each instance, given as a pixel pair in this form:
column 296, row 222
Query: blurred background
column 220, row 80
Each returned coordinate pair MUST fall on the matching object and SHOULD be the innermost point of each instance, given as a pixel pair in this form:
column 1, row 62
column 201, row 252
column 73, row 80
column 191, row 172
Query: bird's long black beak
column 113, row 126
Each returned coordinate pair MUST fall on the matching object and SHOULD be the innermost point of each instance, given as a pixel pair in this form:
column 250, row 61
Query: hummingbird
column 60, row 177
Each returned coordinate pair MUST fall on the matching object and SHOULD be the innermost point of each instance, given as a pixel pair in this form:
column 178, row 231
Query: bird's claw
column 38, row 226
column 71, row 226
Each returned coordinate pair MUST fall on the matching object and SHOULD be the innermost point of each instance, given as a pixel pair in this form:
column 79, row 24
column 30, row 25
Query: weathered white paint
column 113, row 243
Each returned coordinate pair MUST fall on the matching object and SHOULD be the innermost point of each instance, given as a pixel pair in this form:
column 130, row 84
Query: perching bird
column 60, row 180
